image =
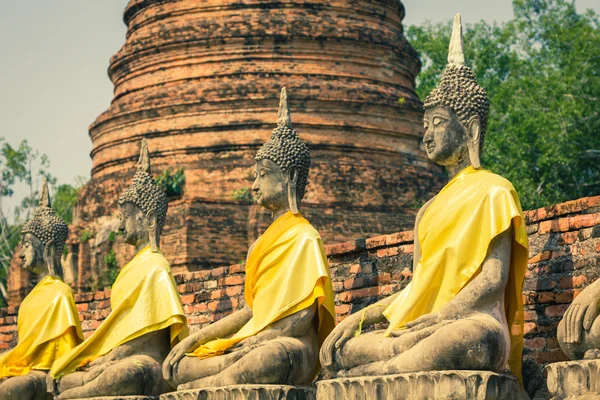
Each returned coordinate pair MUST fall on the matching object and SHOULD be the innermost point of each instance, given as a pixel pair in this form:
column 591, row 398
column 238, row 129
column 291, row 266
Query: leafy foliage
column 112, row 267
column 85, row 236
column 243, row 194
column 63, row 201
column 172, row 182
column 542, row 73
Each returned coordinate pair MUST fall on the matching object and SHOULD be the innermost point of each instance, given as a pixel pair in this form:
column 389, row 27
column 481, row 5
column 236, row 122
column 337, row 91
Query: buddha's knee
column 268, row 364
column 479, row 346
column 137, row 375
column 22, row 387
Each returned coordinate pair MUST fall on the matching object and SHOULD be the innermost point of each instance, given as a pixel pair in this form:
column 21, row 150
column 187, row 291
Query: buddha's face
column 445, row 137
column 134, row 224
column 32, row 253
column 270, row 186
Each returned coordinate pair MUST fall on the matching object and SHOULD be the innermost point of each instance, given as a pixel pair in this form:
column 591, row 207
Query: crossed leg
column 279, row 361
column 477, row 343
column 136, row 375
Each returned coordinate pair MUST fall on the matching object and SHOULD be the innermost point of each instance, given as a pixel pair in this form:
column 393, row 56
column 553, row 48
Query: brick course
column 563, row 261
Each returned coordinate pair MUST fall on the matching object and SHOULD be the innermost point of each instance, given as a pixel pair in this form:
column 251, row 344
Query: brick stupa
column 201, row 80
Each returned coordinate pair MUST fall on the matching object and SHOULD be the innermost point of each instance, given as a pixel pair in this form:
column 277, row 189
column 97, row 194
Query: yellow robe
column 455, row 233
column 286, row 272
column 48, row 327
column 144, row 299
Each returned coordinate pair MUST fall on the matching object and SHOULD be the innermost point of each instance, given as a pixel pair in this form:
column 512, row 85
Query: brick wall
column 564, row 253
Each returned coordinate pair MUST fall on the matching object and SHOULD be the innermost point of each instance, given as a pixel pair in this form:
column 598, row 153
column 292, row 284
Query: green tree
column 25, row 166
column 64, row 199
column 542, row 73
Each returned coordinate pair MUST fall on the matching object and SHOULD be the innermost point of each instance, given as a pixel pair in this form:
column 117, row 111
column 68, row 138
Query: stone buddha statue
column 289, row 306
column 124, row 355
column 48, row 325
column 470, row 257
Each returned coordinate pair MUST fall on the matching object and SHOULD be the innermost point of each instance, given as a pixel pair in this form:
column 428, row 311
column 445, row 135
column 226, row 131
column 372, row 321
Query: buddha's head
column 456, row 111
column 282, row 165
column 143, row 207
column 43, row 239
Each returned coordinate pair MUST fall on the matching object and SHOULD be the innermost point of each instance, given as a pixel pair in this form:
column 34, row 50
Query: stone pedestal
column 574, row 380
column 455, row 385
column 245, row 392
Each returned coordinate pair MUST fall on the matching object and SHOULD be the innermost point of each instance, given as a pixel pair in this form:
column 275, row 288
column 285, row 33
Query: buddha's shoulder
column 63, row 288
column 305, row 231
column 155, row 261
column 495, row 183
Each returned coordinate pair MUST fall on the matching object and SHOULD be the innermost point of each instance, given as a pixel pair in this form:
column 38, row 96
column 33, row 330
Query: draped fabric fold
column 144, row 299
column 48, row 327
column 286, row 272
column 454, row 234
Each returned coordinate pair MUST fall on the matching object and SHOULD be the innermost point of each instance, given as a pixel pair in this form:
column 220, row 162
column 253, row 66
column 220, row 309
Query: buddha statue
column 48, row 325
column 124, row 355
column 288, row 296
column 579, row 330
column 470, row 257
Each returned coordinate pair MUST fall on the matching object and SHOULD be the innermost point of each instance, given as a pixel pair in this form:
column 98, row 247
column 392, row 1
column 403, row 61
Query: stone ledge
column 121, row 398
column 243, row 392
column 456, row 385
column 574, row 379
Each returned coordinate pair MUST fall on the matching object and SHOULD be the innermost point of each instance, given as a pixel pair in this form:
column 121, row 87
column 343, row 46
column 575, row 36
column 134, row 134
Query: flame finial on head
column 456, row 51
column 45, row 196
column 283, row 115
column 144, row 161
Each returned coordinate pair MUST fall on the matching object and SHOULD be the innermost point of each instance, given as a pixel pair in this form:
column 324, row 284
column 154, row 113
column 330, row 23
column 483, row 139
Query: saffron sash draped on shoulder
column 286, row 272
column 454, row 234
column 144, row 299
column 48, row 327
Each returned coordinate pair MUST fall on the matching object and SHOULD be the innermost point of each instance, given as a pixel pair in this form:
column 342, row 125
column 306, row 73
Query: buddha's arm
column 220, row 329
column 489, row 285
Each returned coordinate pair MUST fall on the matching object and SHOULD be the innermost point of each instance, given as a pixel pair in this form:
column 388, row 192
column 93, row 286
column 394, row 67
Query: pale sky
column 55, row 55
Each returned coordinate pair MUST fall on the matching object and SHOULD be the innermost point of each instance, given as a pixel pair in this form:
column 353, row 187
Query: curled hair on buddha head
column 47, row 226
column 144, row 192
column 286, row 149
column 458, row 88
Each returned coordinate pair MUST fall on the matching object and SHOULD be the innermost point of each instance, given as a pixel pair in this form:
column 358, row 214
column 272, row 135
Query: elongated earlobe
column 153, row 234
column 50, row 257
column 292, row 189
column 473, row 142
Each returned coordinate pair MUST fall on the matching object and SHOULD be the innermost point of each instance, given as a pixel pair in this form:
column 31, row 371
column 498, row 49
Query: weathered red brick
column 556, row 310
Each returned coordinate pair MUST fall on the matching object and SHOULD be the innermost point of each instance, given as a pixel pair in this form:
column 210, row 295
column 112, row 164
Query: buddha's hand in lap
column 423, row 322
column 248, row 342
column 580, row 315
column 187, row 345
column 337, row 338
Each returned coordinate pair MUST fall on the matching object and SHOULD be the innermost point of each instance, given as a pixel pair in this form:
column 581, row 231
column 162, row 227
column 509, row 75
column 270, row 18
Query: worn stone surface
column 567, row 380
column 564, row 257
column 245, row 392
column 456, row 385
